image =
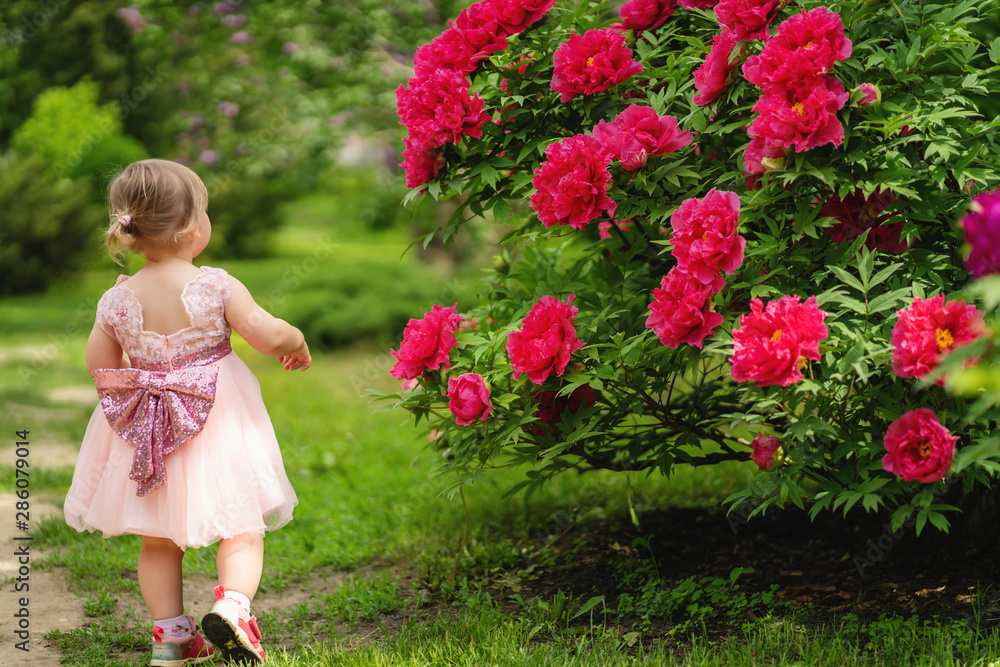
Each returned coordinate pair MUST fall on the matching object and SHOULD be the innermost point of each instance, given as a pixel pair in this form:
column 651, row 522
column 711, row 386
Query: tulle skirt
column 227, row 480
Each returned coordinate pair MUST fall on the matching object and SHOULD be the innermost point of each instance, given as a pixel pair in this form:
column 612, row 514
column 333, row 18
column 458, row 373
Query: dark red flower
column 857, row 213
column 552, row 406
column 591, row 63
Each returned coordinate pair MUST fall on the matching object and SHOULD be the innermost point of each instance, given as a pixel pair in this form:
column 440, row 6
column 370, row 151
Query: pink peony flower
column 513, row 16
column 773, row 343
column 868, row 94
column 710, row 77
column 437, row 109
column 480, row 27
column 767, row 451
column 697, row 4
column 591, row 63
column 927, row 330
column 856, row 214
column 572, row 183
column 918, row 447
column 426, row 343
column 804, row 122
column 457, row 49
column 469, row 398
column 645, row 14
column 705, row 239
column 638, row 133
column 982, row 233
column 748, row 19
column 419, row 164
column 546, row 340
column 681, row 311
column 604, row 228
column 807, row 45
column 552, row 406
column 761, row 156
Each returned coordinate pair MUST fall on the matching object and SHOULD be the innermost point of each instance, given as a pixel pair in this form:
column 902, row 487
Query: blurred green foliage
column 65, row 125
column 49, row 227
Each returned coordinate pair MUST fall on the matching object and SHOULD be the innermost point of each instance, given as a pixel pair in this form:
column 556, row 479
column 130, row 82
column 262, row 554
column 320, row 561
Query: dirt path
column 50, row 606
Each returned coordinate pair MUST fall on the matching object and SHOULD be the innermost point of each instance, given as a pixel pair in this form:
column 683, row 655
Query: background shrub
column 49, row 229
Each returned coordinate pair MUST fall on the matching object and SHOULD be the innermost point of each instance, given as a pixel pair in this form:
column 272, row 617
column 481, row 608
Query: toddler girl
column 181, row 450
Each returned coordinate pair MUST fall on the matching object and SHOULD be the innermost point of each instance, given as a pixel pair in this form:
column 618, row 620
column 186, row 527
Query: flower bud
column 865, row 95
column 767, row 452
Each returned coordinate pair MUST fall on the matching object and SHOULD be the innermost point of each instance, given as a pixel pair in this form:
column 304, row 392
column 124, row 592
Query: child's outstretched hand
column 299, row 359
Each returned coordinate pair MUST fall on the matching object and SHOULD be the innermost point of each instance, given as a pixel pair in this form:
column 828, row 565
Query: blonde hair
column 153, row 203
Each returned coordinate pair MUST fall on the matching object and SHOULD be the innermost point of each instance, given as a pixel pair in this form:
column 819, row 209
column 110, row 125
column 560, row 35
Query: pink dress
column 215, row 471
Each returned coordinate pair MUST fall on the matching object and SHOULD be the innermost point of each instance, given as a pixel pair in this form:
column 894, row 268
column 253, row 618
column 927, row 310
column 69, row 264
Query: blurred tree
column 58, row 44
column 48, row 226
column 65, row 125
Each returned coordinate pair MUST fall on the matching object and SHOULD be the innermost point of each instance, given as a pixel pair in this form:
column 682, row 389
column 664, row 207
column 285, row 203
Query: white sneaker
column 233, row 631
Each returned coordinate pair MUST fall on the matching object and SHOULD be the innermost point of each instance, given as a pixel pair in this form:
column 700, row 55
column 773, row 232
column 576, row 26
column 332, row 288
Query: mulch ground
column 834, row 565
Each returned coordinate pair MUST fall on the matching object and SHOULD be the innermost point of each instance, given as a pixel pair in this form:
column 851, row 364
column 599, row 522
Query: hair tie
column 124, row 220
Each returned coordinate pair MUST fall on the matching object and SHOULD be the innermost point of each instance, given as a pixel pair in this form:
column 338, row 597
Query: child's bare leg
column 240, row 560
column 160, row 577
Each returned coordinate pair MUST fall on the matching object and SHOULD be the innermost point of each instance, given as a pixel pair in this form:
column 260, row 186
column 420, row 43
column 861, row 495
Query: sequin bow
column 156, row 412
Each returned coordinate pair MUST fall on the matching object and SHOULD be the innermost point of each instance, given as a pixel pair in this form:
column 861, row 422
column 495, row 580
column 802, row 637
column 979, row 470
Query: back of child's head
column 153, row 203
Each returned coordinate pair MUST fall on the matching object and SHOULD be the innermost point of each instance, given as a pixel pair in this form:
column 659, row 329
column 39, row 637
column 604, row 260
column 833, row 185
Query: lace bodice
column 119, row 314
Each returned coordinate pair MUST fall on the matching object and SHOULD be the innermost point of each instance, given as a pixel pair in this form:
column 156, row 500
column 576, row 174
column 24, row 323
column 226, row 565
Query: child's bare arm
column 266, row 333
column 103, row 351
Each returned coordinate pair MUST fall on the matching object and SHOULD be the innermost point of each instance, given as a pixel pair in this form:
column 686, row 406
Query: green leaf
column 940, row 521
column 847, row 278
column 982, row 450
column 994, row 51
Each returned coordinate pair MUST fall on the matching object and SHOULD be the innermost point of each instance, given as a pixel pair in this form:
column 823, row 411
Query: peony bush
column 736, row 230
